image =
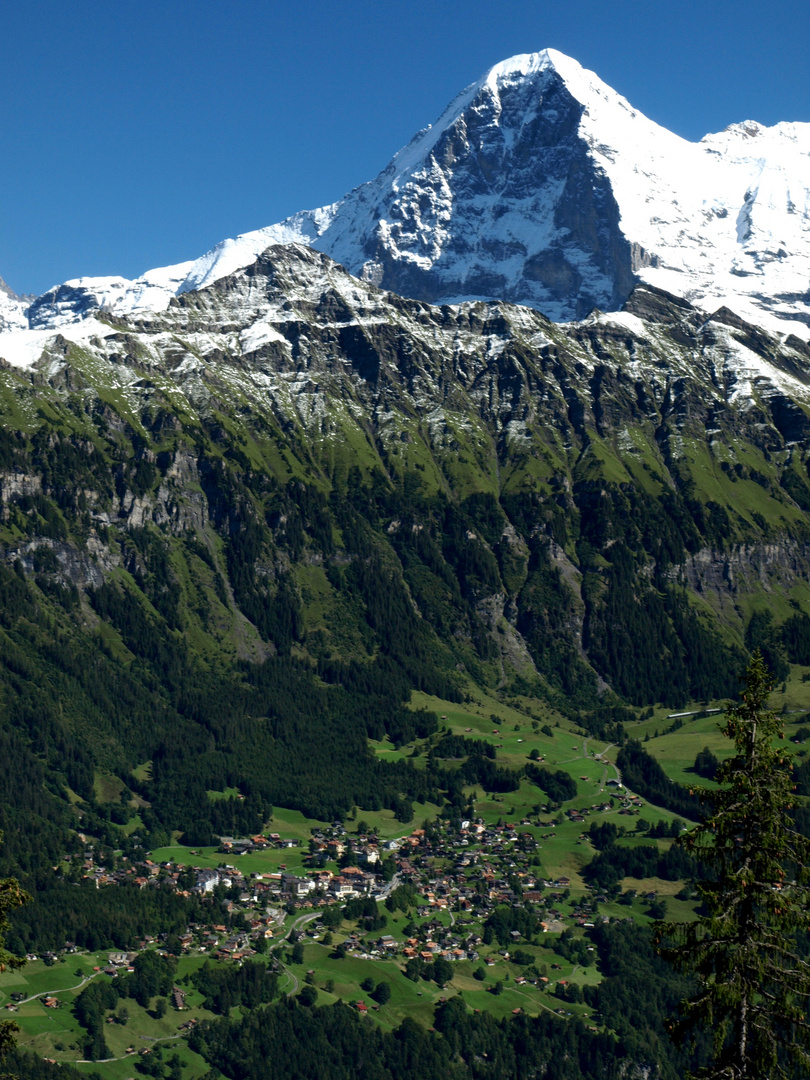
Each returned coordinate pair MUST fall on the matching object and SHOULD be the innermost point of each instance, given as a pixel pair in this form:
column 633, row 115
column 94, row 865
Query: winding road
column 61, row 990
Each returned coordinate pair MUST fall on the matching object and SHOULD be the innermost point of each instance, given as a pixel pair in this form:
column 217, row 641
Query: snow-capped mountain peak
column 12, row 309
column 541, row 185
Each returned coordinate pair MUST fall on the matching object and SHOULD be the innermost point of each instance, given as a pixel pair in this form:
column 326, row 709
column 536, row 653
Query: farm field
column 55, row 1033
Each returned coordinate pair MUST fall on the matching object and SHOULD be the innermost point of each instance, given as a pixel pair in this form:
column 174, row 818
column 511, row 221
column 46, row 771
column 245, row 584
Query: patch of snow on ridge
column 752, row 373
column 232, row 255
column 627, row 320
column 259, row 334
column 23, row 348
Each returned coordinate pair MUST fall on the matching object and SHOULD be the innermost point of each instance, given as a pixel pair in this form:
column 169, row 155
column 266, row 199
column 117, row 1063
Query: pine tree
column 753, row 985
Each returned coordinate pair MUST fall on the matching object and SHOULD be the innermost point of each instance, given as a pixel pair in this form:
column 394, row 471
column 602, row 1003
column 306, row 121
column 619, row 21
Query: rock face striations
column 540, row 185
column 656, row 451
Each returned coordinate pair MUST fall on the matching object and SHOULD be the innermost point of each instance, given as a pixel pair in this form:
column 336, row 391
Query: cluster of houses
column 465, row 867
column 478, row 863
column 319, row 887
column 431, row 941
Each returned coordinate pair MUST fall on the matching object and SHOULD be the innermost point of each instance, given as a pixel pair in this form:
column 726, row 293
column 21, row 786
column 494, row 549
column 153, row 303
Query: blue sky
column 140, row 134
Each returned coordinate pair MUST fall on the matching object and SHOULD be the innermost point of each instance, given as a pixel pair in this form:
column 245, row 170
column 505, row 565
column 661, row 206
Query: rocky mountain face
column 532, row 489
column 540, row 185
column 502, row 199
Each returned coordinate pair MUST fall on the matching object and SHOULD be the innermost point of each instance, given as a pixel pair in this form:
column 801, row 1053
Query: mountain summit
column 540, row 185
column 12, row 309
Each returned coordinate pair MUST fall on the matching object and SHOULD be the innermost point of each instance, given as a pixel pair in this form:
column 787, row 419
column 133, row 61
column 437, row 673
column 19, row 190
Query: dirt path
column 609, row 765
column 568, row 761
column 125, row 1057
column 62, row 990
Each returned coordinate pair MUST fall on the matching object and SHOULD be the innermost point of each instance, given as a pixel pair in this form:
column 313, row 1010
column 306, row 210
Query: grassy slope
column 42, row 1029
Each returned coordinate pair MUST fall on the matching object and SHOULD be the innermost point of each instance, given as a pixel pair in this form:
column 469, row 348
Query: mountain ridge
column 316, row 349
column 540, row 185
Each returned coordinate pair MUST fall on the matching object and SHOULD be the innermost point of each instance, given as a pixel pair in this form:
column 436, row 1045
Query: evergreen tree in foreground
column 754, row 987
